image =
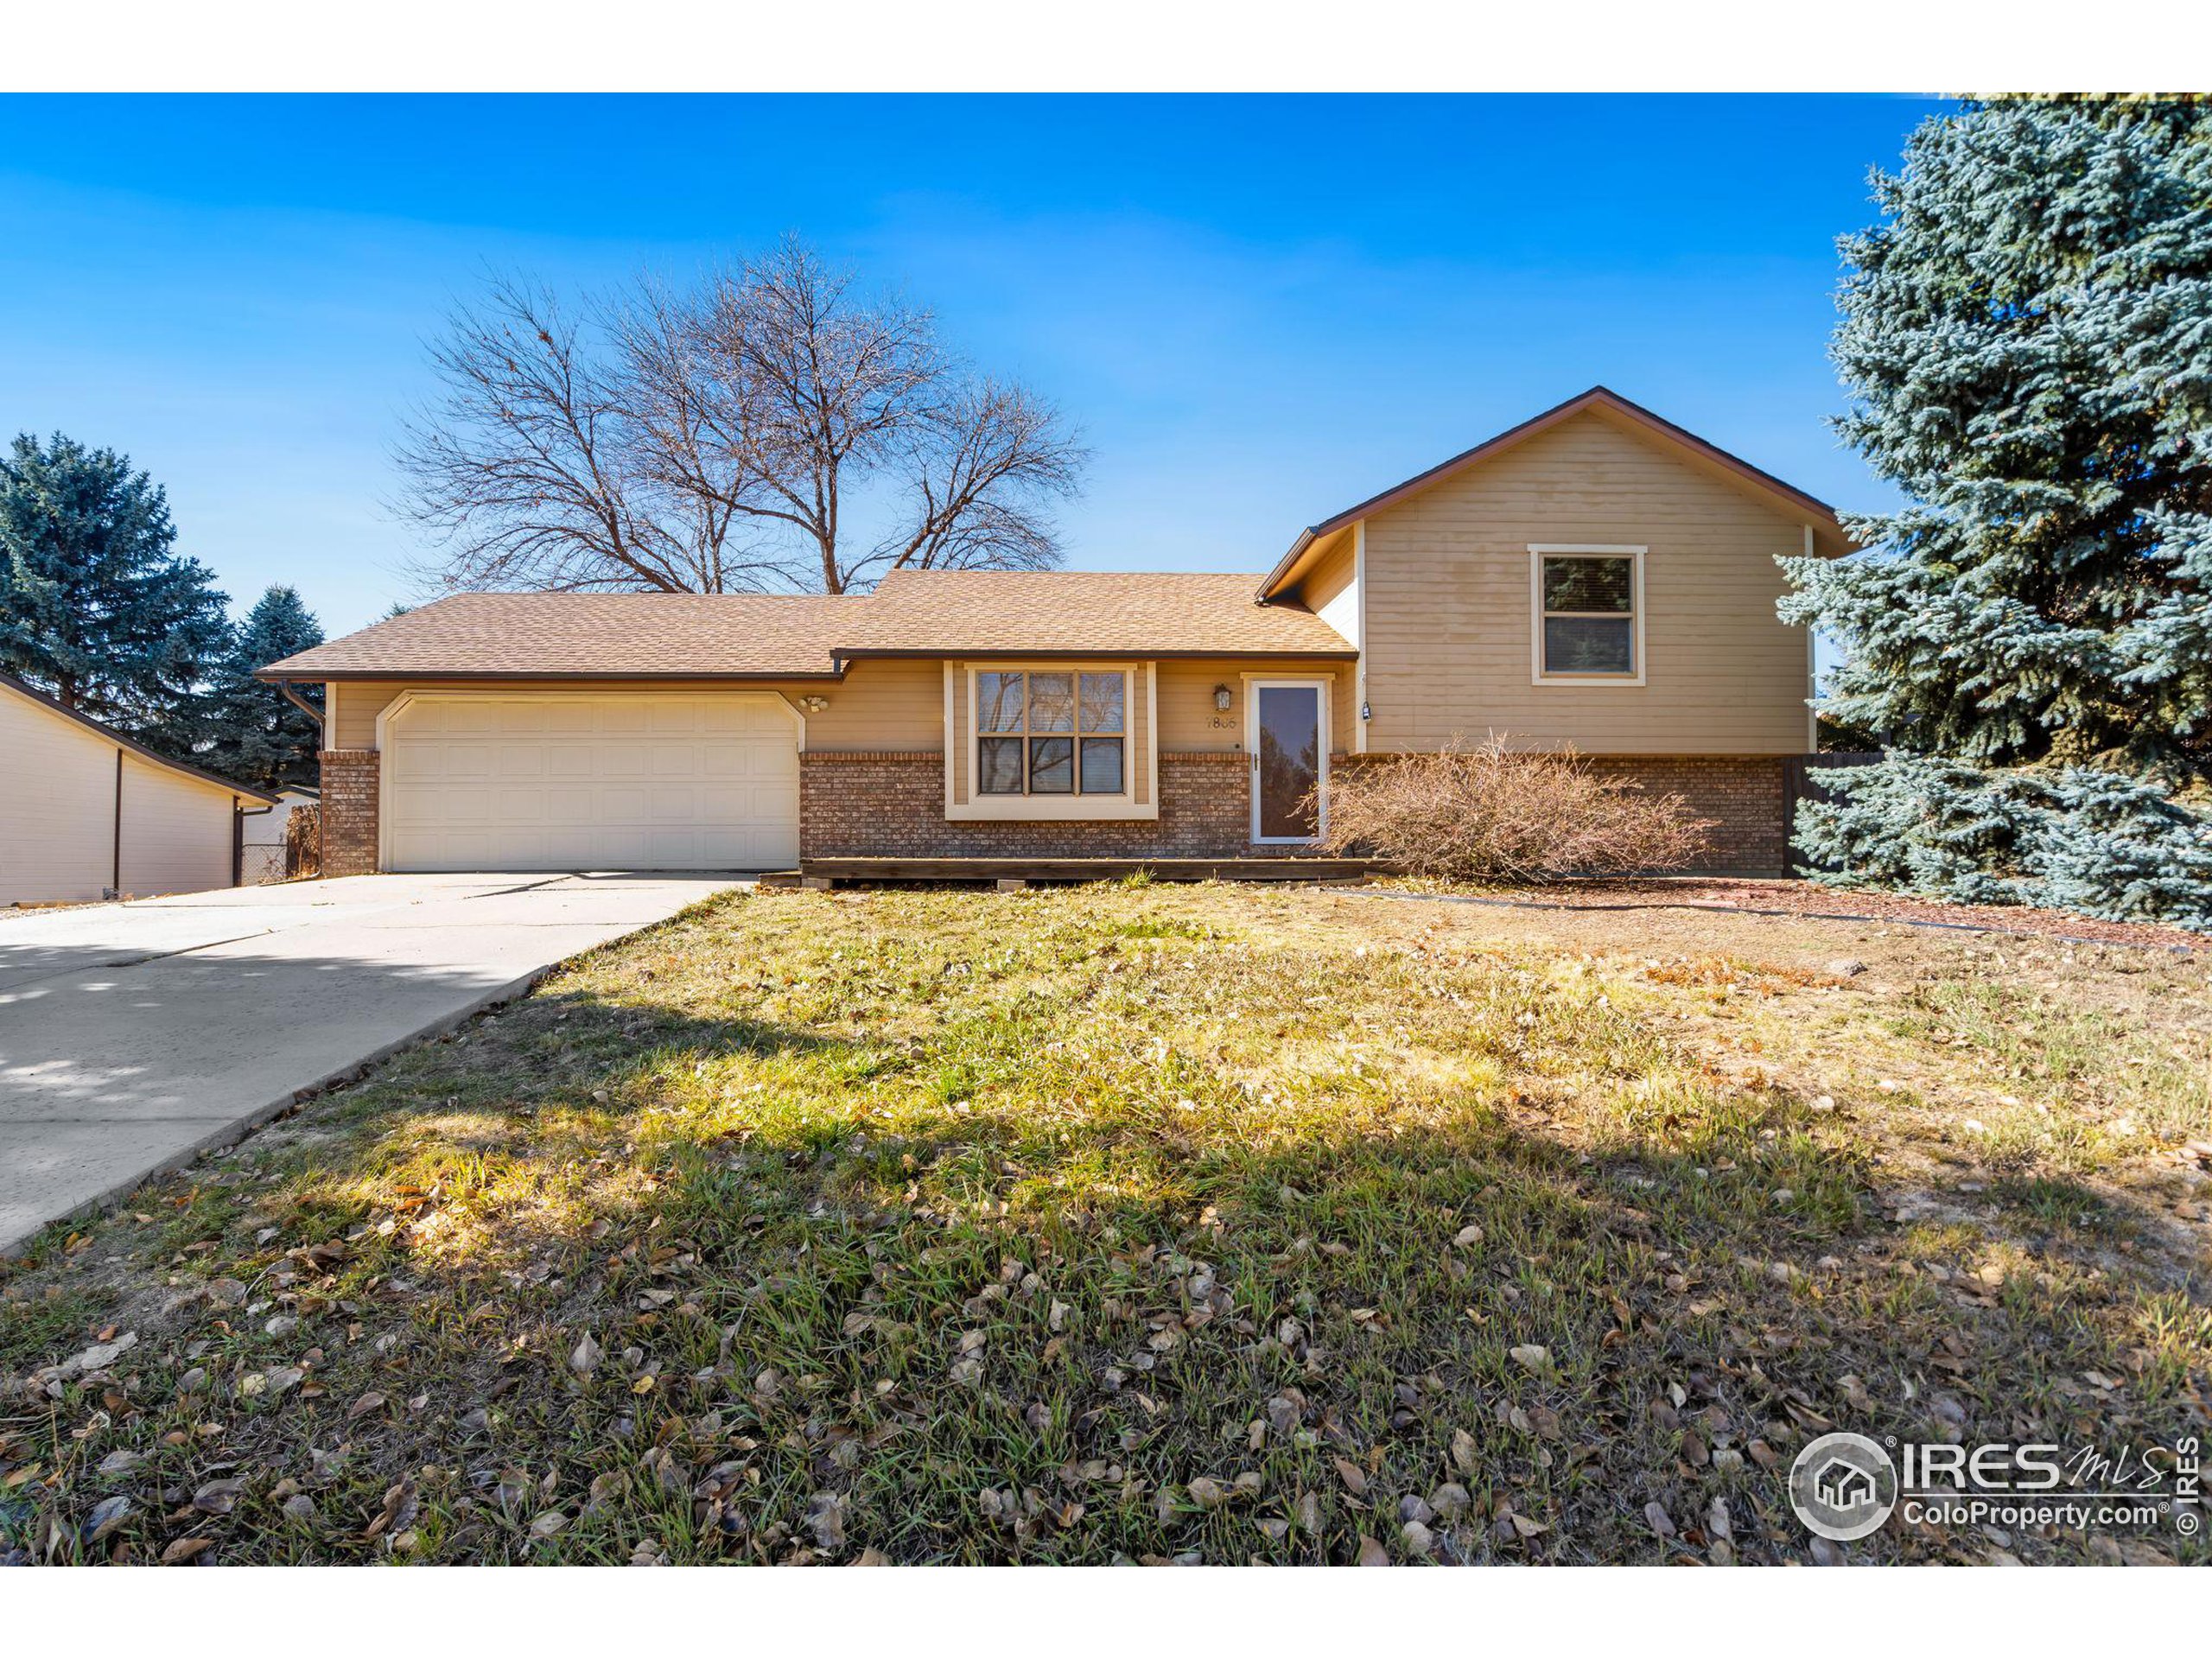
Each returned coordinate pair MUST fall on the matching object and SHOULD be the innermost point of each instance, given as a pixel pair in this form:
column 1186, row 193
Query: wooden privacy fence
column 1801, row 782
column 303, row 843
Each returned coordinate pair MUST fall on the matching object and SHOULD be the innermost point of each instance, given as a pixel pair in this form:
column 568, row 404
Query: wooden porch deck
column 823, row 871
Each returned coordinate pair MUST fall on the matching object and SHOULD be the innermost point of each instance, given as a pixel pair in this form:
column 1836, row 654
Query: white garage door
column 702, row 782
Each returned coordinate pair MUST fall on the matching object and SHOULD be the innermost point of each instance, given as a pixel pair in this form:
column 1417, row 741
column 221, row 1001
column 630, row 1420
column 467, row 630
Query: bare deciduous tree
column 719, row 439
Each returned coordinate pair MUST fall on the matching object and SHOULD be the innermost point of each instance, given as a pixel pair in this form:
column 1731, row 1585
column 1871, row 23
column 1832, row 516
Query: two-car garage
column 569, row 780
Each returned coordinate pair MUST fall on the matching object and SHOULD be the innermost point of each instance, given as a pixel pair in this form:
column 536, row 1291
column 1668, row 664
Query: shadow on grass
column 1017, row 1302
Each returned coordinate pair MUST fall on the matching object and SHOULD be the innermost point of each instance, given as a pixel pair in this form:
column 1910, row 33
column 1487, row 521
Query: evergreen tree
column 262, row 738
column 97, row 608
column 2027, row 339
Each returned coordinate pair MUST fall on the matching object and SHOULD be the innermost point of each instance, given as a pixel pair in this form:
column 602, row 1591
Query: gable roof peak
column 1817, row 511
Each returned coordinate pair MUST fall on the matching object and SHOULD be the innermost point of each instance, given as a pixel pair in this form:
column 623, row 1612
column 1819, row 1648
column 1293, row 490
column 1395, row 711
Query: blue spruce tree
column 97, row 608
column 261, row 737
column 2027, row 341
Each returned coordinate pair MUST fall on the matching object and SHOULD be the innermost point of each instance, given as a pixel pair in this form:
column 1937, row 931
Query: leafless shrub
column 1499, row 814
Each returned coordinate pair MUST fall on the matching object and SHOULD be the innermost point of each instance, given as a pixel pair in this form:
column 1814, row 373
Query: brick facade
column 1742, row 793
column 892, row 805
column 349, row 811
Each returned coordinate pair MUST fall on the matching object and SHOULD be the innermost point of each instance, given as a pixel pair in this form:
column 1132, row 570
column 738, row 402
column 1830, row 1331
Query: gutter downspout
column 116, row 876
column 300, row 703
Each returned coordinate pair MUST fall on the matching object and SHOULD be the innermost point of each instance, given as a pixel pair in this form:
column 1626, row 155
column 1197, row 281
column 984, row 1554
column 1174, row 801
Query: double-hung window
column 1589, row 613
column 1051, row 733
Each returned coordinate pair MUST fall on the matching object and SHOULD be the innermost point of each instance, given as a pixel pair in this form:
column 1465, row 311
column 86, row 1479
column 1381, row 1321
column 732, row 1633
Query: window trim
column 1538, row 551
column 964, row 736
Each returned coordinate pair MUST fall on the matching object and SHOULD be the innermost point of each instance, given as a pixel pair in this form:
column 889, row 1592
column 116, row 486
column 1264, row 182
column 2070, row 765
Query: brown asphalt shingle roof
column 1048, row 611
column 555, row 634
column 917, row 613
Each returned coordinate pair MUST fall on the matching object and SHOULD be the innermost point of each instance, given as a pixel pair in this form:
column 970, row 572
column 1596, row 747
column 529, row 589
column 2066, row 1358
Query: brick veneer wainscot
column 891, row 804
column 349, row 811
column 1742, row 794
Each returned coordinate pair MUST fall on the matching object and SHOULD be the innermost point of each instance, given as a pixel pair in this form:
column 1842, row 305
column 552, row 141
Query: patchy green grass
column 1147, row 1223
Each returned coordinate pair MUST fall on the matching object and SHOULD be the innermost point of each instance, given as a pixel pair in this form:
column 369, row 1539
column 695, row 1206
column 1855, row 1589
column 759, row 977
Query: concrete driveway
column 133, row 1036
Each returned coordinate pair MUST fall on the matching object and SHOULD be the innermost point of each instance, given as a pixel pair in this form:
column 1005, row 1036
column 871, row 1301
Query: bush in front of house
column 1498, row 814
column 2081, row 838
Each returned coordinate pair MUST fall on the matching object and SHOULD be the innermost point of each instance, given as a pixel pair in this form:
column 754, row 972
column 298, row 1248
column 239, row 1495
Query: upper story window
column 1051, row 733
column 1588, row 610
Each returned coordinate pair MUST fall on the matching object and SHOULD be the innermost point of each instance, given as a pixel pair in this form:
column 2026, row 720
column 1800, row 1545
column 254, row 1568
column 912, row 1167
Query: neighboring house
column 1595, row 577
column 262, row 858
column 89, row 813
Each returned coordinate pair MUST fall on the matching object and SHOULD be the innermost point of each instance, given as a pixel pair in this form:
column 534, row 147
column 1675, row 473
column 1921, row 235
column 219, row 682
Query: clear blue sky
column 1260, row 309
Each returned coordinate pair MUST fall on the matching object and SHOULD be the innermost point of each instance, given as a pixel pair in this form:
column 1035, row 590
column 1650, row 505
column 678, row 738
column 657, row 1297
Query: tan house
column 1595, row 577
column 88, row 814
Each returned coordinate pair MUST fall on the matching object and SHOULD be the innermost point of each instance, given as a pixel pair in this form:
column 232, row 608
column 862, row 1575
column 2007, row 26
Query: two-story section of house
column 1594, row 579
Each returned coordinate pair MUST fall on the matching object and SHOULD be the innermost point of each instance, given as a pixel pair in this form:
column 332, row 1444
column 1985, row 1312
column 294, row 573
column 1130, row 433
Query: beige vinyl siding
column 1448, row 605
column 894, row 704
column 176, row 833
column 1188, row 724
column 1330, row 589
column 57, row 815
column 57, row 812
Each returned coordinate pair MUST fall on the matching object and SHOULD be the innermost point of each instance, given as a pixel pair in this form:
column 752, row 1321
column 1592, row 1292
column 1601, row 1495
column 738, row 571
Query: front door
column 1289, row 740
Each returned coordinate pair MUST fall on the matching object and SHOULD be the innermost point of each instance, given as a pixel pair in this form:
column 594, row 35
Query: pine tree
column 97, row 608
column 2027, row 340
column 261, row 737
column 2079, row 838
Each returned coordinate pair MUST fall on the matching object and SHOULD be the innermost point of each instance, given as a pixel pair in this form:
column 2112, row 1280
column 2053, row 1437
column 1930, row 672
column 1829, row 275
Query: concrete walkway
column 133, row 1036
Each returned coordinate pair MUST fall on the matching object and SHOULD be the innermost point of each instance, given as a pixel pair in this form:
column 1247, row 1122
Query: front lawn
column 1151, row 1222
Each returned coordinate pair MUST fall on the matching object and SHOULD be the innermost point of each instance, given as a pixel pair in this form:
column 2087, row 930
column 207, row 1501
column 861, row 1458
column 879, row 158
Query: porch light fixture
column 1220, row 699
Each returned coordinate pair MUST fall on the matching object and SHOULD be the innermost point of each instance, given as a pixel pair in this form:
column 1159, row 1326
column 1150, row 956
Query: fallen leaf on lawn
column 825, row 1518
column 584, row 1359
column 107, row 1515
column 548, row 1522
column 1463, row 1451
column 1354, row 1477
column 1208, row 1493
column 1372, row 1554
column 1533, row 1355
column 217, row 1496
column 1662, row 1522
column 184, row 1549
column 362, row 1407
column 1468, row 1235
column 101, row 1355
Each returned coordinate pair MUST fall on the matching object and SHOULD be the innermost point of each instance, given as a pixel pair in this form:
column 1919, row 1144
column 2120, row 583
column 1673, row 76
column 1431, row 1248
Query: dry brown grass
column 1148, row 1223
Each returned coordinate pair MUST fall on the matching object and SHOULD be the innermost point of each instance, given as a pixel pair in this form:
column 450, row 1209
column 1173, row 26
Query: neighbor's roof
column 108, row 734
column 750, row 636
column 1600, row 400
